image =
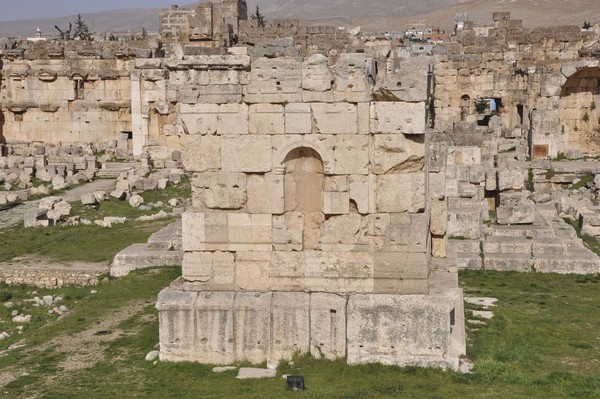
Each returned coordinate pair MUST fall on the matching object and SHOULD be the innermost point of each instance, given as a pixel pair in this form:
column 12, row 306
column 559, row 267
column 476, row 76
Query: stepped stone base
column 225, row 327
column 141, row 256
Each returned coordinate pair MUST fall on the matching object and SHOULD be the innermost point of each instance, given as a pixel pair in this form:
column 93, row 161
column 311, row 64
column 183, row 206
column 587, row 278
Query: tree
column 586, row 25
column 66, row 34
column 81, row 29
column 259, row 18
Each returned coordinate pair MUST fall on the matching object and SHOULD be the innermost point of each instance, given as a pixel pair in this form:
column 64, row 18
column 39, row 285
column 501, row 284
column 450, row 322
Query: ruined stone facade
column 329, row 173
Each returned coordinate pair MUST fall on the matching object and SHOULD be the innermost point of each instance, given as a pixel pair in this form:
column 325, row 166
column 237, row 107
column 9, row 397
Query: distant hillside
column 377, row 15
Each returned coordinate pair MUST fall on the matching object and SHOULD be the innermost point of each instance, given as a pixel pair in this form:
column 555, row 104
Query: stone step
column 567, row 264
column 522, row 231
column 546, row 210
column 167, row 239
column 507, row 245
column 140, row 256
column 469, row 261
column 464, row 246
column 508, row 262
column 549, row 246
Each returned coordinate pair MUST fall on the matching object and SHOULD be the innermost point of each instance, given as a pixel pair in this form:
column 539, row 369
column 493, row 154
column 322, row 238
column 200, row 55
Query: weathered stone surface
column 397, row 154
column 336, row 118
column 214, row 268
column 219, row 190
column 398, row 117
column 246, row 154
column 265, row 193
column 200, row 153
column 401, row 192
column 327, row 325
column 380, row 329
column 291, row 323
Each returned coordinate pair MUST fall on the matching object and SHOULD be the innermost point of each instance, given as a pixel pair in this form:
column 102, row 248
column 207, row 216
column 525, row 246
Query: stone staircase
column 163, row 248
column 549, row 245
column 114, row 169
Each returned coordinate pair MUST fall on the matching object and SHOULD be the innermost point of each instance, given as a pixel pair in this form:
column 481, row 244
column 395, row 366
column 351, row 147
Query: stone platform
column 225, row 327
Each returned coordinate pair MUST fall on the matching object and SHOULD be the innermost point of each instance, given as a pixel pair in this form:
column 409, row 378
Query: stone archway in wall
column 303, row 192
column 579, row 113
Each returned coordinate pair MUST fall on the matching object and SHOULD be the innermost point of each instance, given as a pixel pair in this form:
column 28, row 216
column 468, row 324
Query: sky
column 32, row 9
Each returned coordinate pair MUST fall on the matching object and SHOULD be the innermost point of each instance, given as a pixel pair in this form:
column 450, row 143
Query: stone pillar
column 137, row 119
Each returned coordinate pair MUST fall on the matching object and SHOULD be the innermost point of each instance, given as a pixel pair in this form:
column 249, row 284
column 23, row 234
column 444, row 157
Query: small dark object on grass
column 295, row 382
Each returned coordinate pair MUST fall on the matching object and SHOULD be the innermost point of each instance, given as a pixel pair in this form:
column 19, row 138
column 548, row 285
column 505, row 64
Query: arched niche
column 304, row 181
column 578, row 111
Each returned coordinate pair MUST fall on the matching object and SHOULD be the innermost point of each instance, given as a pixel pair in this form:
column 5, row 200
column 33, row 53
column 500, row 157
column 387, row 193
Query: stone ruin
column 311, row 225
column 338, row 182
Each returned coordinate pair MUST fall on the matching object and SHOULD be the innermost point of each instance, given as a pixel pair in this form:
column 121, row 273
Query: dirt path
column 14, row 215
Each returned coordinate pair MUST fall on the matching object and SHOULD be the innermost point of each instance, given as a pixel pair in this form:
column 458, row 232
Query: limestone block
column 200, row 153
column 265, row 193
column 287, row 271
column 336, row 183
column 466, row 156
column 407, row 233
column 337, row 118
column 249, row 232
column 336, row 203
column 510, row 179
column 216, row 269
column 399, row 329
column 232, row 119
column 401, row 192
column 252, row 271
column 298, row 118
column 193, row 231
column 397, row 117
column 266, row 119
column 327, row 325
column 351, row 155
column 214, row 335
column 518, row 214
column 491, row 180
column 341, row 231
column 397, row 153
column 202, row 117
column 465, row 222
column 252, row 326
column 288, row 231
column 219, row 190
column 340, row 272
column 437, row 186
column 246, row 154
column 316, row 75
column 290, row 328
column 353, row 74
column 439, row 217
column 508, row 262
column 276, row 80
column 439, row 246
column 177, row 324
column 438, row 154
column 360, row 192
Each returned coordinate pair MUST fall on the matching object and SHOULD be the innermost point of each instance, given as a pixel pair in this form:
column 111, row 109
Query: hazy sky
column 29, row 9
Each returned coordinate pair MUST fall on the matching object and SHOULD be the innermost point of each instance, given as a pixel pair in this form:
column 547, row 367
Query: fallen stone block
column 136, row 200
column 250, row 372
column 32, row 218
column 89, row 199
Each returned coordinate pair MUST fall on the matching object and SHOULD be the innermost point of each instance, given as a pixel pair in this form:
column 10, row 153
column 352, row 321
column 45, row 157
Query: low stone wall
column 48, row 278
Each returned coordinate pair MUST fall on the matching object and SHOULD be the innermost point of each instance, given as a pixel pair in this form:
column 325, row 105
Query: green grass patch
column 542, row 343
column 593, row 243
column 582, row 183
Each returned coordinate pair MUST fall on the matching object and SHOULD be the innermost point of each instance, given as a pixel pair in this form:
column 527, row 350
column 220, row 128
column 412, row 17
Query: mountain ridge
column 375, row 15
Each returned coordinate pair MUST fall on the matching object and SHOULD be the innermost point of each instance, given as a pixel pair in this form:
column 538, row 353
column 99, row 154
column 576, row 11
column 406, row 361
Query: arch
column 304, row 181
column 465, row 107
column 579, row 117
column 325, row 156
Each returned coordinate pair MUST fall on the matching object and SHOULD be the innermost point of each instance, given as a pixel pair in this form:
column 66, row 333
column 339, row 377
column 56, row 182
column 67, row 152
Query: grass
column 542, row 343
column 89, row 243
column 582, row 183
column 591, row 242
